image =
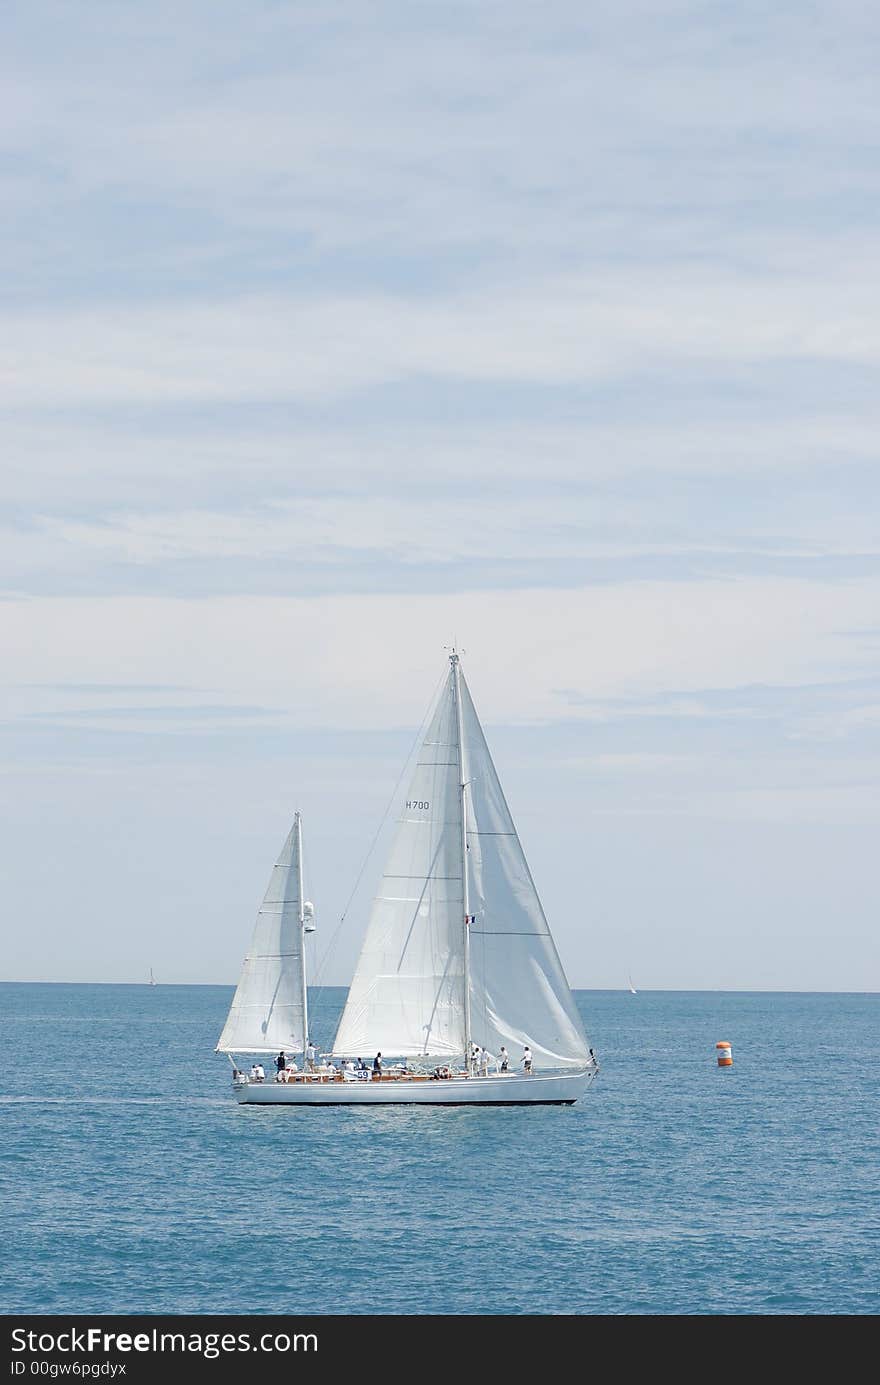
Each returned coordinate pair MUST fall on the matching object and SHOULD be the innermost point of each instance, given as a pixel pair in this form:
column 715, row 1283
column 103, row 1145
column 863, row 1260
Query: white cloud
column 371, row 661
column 423, row 127
column 55, row 464
column 568, row 330
column 408, row 530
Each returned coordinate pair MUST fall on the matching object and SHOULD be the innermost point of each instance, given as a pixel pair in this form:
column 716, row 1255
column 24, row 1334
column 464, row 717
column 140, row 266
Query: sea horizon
column 585, row 990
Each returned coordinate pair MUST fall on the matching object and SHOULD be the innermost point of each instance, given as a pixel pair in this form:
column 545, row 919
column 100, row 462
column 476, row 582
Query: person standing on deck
column 503, row 1060
column 377, row 1065
column 527, row 1061
column 311, row 1055
column 281, row 1062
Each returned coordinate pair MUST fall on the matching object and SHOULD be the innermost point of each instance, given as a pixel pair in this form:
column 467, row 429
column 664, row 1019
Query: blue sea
column 132, row 1182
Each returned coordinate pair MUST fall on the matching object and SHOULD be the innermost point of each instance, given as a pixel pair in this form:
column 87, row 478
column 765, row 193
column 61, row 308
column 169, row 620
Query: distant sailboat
column 153, row 981
column 457, row 959
column 632, row 989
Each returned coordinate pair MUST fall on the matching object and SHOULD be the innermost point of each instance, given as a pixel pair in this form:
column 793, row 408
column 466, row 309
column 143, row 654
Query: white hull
column 504, row 1089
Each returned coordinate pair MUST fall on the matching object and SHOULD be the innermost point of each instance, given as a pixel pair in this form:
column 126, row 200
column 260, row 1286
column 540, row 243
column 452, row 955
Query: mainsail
column 267, row 1011
column 406, row 995
column 429, row 980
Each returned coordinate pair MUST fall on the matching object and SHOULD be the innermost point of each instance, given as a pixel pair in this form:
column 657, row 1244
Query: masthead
column 454, row 654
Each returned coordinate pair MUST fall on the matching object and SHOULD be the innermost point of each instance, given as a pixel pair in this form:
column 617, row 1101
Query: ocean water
column 132, row 1181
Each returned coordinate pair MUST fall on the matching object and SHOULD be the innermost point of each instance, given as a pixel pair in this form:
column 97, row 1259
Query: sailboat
column 632, row 989
column 457, row 967
column 152, row 981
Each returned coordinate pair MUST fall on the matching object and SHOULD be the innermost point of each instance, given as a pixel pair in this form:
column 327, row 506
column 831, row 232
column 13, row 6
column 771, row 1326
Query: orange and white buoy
column 725, row 1055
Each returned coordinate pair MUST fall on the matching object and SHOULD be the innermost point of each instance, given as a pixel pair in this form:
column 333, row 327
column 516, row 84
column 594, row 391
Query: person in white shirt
column 258, row 1073
column 311, row 1055
column 485, row 1059
column 527, row 1060
column 503, row 1060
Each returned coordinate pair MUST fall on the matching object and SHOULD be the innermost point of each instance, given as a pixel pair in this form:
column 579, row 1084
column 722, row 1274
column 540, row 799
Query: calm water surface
column 132, row 1182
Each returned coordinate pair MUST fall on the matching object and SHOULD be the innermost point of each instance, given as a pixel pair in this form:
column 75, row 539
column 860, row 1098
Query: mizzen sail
column 267, row 1009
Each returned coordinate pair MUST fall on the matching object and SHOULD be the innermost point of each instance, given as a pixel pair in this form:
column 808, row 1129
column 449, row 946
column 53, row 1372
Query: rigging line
column 321, row 967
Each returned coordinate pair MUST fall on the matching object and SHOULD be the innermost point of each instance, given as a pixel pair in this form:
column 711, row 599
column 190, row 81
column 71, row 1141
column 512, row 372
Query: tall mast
column 462, row 786
column 302, row 932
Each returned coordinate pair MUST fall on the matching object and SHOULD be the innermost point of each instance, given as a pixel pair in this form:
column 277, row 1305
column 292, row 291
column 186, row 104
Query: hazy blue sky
column 334, row 331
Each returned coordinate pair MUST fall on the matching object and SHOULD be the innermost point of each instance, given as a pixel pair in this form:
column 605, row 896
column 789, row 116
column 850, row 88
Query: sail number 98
column 417, row 803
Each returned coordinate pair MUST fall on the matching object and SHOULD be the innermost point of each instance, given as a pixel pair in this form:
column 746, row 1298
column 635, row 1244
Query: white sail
column 519, row 993
column 267, row 1009
column 406, row 997
column 408, row 993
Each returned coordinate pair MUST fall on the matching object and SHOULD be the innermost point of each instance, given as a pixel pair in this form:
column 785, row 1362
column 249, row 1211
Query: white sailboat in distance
column 459, row 996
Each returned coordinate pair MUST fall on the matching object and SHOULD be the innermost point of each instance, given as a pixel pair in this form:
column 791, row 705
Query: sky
column 333, row 334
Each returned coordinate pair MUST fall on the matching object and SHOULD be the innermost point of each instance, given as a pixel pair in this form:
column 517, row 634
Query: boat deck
column 307, row 1078
column 496, row 1089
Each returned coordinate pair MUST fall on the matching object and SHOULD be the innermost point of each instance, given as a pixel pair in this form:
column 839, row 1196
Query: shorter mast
column 302, row 933
column 456, row 683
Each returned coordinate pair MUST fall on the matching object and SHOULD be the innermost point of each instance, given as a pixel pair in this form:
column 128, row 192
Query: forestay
column 267, row 1009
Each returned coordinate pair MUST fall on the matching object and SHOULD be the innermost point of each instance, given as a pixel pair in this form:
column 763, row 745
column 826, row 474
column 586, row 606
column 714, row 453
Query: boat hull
column 503, row 1089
